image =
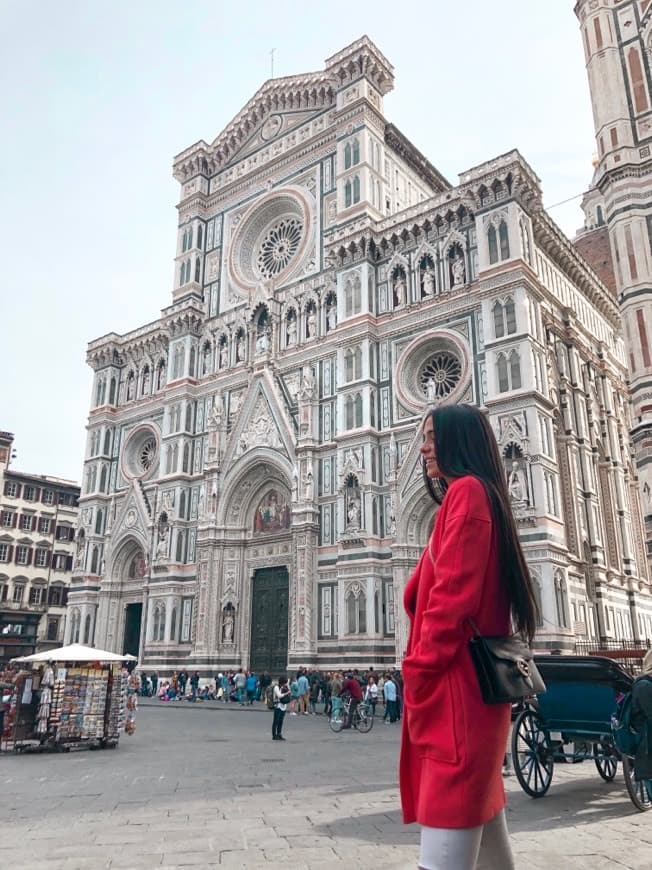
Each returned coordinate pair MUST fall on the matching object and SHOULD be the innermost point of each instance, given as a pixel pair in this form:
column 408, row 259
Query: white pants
column 483, row 848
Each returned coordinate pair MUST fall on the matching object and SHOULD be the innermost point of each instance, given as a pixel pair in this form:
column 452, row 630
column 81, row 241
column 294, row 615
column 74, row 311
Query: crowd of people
column 311, row 692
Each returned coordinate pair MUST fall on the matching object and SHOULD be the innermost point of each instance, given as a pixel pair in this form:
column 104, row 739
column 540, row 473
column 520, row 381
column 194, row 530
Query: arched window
column 356, row 612
column 182, row 505
column 499, row 320
column 348, row 412
column 347, row 155
column 537, row 597
column 188, row 426
column 348, row 298
column 160, row 375
column 356, row 189
column 191, row 362
column 372, row 409
column 515, row 370
column 200, row 236
column 503, row 378
column 504, row 241
column 179, row 360
column 348, row 364
column 103, row 479
column 357, row 295
column 510, row 316
column 168, row 461
column 493, row 245
column 190, row 234
column 356, row 151
column 131, row 387
column 175, row 457
column 75, row 622
column 181, row 536
column 347, row 194
column 99, row 522
column 145, row 381
column 173, row 624
column 560, row 600
column 358, row 410
column 107, row 442
column 95, row 560
column 98, row 392
column 600, row 216
column 197, row 269
column 87, row 629
column 112, row 389
column 156, row 623
column 159, row 622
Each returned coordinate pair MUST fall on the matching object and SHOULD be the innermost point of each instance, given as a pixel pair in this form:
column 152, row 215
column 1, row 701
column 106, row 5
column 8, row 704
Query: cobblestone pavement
column 205, row 786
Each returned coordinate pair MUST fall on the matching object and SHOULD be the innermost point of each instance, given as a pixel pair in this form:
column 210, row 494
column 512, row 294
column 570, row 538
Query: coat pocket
column 431, row 719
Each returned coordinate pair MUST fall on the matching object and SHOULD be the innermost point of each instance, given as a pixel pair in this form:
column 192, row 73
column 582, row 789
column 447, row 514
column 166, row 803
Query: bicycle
column 363, row 719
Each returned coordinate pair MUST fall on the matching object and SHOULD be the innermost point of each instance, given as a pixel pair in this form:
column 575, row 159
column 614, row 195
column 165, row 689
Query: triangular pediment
column 133, row 514
column 263, row 421
column 411, row 468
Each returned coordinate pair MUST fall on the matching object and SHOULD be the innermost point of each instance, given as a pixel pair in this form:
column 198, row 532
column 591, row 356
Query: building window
column 19, row 591
column 53, row 628
column 44, row 525
column 75, row 625
column 30, row 493
column 328, row 622
column 353, row 411
column 7, row 519
column 41, row 560
column 22, row 555
column 356, row 611
column 561, row 600
column 48, row 496
column 353, row 363
column 388, row 607
column 493, row 245
column 26, row 522
column 347, row 155
column 508, row 369
column 55, row 596
column 347, row 194
column 504, row 318
column 356, row 189
column 11, row 489
column 4, row 552
column 504, row 241
column 159, row 622
column 36, row 594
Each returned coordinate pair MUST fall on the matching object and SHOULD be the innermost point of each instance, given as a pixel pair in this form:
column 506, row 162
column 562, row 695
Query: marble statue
column 240, row 348
column 516, row 484
column 308, row 382
column 331, row 316
column 227, row 627
column 262, row 342
column 291, row 332
column 217, row 412
column 400, row 289
column 311, row 323
column 431, row 389
column 429, row 281
column 458, row 271
column 224, row 355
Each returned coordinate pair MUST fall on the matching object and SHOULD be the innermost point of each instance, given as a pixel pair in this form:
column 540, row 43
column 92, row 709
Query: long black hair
column 465, row 444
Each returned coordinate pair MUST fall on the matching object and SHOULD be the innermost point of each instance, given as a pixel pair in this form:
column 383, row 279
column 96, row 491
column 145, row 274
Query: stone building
column 252, row 489
column 617, row 37
column 38, row 518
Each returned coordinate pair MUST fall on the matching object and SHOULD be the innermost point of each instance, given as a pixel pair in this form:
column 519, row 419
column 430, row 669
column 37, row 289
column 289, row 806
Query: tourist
column 154, row 684
column 183, row 679
column 352, row 688
column 304, row 693
column 252, row 687
column 391, row 703
column 294, row 692
column 240, row 686
column 371, row 694
column 194, row 685
column 472, row 569
column 281, row 697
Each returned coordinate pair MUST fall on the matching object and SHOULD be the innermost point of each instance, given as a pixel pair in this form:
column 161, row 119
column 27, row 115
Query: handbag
column 505, row 668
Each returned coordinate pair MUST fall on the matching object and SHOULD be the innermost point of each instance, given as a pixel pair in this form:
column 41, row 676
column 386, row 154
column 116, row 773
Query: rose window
column 440, row 375
column 140, row 453
column 279, row 245
column 147, row 454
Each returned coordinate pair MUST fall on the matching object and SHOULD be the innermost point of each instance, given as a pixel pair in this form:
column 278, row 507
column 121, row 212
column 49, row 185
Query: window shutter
column 43, row 496
column 14, row 520
column 68, row 563
column 30, row 553
column 57, row 533
column 64, row 597
column 3, row 514
column 71, row 534
column 19, row 490
column 37, row 493
column 16, row 556
column 6, row 487
column 48, row 558
column 10, row 553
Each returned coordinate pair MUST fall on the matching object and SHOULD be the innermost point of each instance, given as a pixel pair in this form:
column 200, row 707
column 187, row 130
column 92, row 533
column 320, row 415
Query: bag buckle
column 524, row 668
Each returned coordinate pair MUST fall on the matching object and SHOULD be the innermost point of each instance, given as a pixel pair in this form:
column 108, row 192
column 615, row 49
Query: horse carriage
column 572, row 722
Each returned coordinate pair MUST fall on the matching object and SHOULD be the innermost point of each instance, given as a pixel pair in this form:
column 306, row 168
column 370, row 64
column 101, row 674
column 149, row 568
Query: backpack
column 626, row 737
column 269, row 697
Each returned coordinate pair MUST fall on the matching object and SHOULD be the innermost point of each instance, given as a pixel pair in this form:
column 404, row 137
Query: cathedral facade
column 252, row 491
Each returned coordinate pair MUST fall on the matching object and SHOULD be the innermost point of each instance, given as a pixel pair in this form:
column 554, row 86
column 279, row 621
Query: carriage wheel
column 640, row 792
column 532, row 754
column 605, row 760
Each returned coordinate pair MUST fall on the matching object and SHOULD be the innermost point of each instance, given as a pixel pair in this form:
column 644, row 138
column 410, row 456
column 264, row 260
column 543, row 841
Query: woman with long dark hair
column 472, row 571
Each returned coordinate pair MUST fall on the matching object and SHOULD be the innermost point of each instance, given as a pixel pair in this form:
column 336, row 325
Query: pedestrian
column 240, row 684
column 252, row 687
column 154, row 684
column 391, row 704
column 641, row 721
column 194, row 685
column 183, row 679
column 304, row 693
column 352, row 688
column 371, row 694
column 281, row 697
column 472, row 569
column 294, row 693
column 314, row 694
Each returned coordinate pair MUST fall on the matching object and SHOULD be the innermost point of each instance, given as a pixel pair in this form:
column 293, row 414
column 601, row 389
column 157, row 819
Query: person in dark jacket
column 642, row 721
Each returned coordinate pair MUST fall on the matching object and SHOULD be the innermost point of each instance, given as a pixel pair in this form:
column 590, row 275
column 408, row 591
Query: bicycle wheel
column 336, row 721
column 365, row 720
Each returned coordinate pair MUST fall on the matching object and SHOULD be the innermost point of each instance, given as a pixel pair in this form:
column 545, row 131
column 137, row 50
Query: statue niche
column 515, row 470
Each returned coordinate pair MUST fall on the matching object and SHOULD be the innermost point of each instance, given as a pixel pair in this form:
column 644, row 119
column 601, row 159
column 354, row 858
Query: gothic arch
column 250, row 476
column 415, row 513
column 121, row 555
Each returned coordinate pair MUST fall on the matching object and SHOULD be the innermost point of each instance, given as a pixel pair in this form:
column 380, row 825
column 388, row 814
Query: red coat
column 453, row 744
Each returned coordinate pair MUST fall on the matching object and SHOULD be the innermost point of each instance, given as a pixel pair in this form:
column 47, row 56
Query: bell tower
column 617, row 37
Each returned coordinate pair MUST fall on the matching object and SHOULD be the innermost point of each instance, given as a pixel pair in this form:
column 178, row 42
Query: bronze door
column 269, row 621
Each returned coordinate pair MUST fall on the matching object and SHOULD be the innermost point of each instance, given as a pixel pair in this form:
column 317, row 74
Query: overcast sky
column 96, row 98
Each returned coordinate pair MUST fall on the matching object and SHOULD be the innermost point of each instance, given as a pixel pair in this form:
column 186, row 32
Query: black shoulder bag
column 505, row 668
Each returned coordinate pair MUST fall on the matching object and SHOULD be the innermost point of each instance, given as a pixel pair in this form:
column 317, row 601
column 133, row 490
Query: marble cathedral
column 252, row 491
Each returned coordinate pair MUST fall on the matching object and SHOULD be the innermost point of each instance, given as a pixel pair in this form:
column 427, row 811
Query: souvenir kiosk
column 69, row 697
